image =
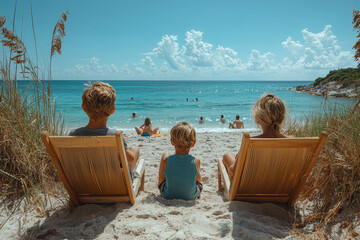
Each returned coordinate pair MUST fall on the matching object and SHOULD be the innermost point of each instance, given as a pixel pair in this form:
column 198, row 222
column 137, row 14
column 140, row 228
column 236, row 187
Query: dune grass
column 26, row 108
column 334, row 184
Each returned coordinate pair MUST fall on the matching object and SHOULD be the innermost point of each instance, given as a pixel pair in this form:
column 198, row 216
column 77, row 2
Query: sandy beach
column 152, row 217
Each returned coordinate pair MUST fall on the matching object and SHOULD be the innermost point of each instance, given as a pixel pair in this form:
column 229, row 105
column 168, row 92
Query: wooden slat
column 283, row 142
column 322, row 140
column 122, row 155
column 103, row 199
column 140, row 168
column 281, row 198
column 82, row 142
column 225, row 177
column 219, row 176
column 56, row 162
column 240, row 166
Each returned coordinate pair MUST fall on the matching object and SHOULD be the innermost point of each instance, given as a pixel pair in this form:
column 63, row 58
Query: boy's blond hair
column 99, row 100
column 269, row 111
column 183, row 135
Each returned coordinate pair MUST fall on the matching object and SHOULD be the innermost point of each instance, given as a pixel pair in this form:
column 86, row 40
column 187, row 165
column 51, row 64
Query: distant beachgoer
column 269, row 113
column 133, row 115
column 237, row 123
column 197, row 99
column 187, row 99
column 222, row 119
column 132, row 98
column 145, row 129
column 179, row 174
column 201, row 121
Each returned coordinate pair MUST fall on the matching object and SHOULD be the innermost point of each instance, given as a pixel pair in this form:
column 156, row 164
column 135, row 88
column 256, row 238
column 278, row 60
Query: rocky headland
column 338, row 83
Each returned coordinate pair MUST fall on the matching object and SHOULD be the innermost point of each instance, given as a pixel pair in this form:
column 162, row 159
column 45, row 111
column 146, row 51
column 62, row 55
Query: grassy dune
column 334, row 184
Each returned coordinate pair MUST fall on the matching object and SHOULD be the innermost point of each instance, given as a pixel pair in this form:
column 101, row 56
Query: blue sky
column 190, row 40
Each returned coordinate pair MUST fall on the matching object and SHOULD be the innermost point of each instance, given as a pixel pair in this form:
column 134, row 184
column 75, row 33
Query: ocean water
column 165, row 102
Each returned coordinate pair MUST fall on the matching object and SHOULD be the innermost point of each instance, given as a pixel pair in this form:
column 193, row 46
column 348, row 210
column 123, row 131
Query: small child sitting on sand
column 98, row 102
column 269, row 113
column 179, row 174
column 145, row 129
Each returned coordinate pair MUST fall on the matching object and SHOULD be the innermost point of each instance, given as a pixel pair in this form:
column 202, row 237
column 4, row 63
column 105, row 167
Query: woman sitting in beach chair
column 145, row 130
column 269, row 113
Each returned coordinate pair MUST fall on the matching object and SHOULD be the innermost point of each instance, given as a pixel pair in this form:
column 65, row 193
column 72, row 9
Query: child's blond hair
column 99, row 100
column 183, row 135
column 269, row 111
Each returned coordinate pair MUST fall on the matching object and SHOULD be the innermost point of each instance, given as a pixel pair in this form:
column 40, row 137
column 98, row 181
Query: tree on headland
column 356, row 22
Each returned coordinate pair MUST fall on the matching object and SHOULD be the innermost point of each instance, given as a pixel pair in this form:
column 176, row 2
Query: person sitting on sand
column 237, row 123
column 98, row 102
column 145, row 129
column 201, row 121
column 179, row 174
column 222, row 119
column 133, row 115
column 269, row 113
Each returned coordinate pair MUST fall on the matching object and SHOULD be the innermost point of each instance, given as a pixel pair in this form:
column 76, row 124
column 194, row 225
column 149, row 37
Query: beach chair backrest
column 274, row 169
column 91, row 167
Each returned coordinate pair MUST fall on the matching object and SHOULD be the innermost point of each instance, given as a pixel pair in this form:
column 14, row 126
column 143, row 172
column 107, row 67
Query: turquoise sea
column 165, row 102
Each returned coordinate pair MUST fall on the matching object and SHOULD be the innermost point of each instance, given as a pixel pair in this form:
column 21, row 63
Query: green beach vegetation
column 349, row 76
column 26, row 109
column 333, row 186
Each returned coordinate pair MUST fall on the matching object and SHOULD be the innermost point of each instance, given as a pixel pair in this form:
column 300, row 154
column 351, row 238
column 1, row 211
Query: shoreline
column 330, row 89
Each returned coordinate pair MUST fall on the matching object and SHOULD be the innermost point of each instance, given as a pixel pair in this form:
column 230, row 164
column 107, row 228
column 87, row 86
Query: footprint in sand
column 225, row 216
column 143, row 216
column 88, row 224
column 175, row 213
column 216, row 213
column 205, row 179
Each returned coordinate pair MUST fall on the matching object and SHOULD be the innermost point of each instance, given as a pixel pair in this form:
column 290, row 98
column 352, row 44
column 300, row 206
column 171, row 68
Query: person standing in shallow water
column 269, row 113
column 237, row 123
column 222, row 119
column 201, row 121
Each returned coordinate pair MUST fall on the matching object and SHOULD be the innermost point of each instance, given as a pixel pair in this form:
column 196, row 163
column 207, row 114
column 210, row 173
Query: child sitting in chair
column 179, row 174
column 98, row 102
column 269, row 113
column 145, row 130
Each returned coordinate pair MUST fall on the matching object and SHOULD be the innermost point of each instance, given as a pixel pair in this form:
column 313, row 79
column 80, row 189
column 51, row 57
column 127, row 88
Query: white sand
column 211, row 217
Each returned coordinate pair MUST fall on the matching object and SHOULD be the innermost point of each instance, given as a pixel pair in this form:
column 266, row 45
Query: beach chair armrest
column 225, row 177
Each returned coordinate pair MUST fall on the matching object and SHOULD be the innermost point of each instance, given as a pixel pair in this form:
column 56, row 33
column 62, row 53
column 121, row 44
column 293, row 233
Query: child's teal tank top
column 180, row 174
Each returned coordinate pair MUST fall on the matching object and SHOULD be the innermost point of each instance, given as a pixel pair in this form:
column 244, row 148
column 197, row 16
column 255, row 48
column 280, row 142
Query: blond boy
column 179, row 174
column 98, row 102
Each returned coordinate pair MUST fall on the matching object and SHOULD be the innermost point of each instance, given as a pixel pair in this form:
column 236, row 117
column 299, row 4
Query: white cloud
column 168, row 49
column 293, row 47
column 260, row 62
column 319, row 51
column 196, row 55
column 197, row 59
column 148, row 62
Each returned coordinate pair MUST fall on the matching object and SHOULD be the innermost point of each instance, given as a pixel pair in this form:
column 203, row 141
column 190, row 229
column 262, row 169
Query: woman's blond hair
column 99, row 100
column 183, row 135
column 269, row 112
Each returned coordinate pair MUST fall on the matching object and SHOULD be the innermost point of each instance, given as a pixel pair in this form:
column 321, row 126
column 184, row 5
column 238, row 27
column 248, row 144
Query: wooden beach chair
column 94, row 169
column 271, row 169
